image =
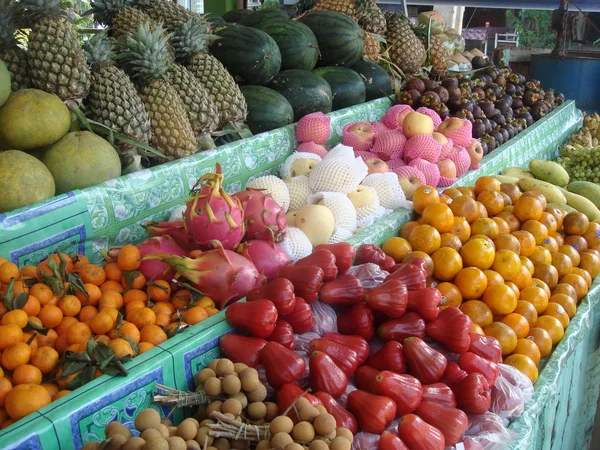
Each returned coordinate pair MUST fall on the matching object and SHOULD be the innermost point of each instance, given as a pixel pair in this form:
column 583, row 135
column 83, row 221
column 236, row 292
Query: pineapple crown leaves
column 33, row 11
column 7, row 23
column 104, row 11
column 99, row 48
column 192, row 37
column 145, row 54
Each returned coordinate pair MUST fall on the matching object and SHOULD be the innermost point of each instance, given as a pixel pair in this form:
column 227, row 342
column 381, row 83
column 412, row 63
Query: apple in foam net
column 457, row 129
column 409, row 185
column 359, row 135
column 417, row 123
column 376, row 165
column 362, row 196
column 475, row 152
column 447, row 168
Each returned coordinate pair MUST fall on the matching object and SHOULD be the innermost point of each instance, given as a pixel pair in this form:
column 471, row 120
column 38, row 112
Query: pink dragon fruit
column 212, row 215
column 313, row 127
column 154, row 269
column 311, row 147
column 220, row 274
column 394, row 117
column 263, row 217
column 267, row 256
column 176, row 230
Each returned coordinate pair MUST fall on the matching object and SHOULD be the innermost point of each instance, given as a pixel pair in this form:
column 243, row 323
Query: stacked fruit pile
column 579, row 156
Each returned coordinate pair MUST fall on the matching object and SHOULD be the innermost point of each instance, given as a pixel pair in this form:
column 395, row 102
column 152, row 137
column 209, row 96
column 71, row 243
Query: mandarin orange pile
column 515, row 266
column 117, row 306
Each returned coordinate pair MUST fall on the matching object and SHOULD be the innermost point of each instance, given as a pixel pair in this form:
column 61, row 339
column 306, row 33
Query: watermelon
column 262, row 15
column 341, row 40
column 267, row 109
column 215, row 21
column 235, row 15
column 306, row 91
column 346, row 85
column 376, row 79
column 297, row 43
column 249, row 54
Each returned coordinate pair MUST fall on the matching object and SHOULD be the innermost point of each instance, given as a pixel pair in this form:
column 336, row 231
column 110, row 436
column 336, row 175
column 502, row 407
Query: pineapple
column 56, row 60
column 113, row 100
column 120, row 15
column 170, row 14
column 373, row 20
column 438, row 55
column 146, row 58
column 14, row 56
column 405, row 49
column 372, row 47
column 189, row 42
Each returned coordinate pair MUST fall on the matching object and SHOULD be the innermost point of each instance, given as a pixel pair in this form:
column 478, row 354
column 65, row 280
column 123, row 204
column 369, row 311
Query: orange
column 511, row 190
column 547, row 273
column 500, row 298
column 78, row 333
column 505, row 335
column 80, row 260
column 541, row 284
column 135, row 295
column 61, row 394
column 27, row 374
column 30, row 338
column 195, row 315
column 578, row 282
column 396, row 247
column 550, row 243
column 16, row 355
column 542, row 339
column 205, row 302
column 428, row 262
column 584, row 274
column 164, row 308
column 560, row 240
column 557, row 311
column 524, row 364
column 567, row 303
column 461, row 229
column 51, row 388
column 51, row 316
column 507, row 264
column 163, row 320
column 145, row 346
column 92, row 274
column 129, row 258
column 407, row 228
column 571, row 253
column 20, row 286
column 594, row 251
column 528, row 208
column 526, row 262
column 8, row 271
column 537, row 229
column 447, row 263
column 136, row 304
column 101, row 323
column 141, row 317
column 508, row 242
column 126, row 330
column 477, row 329
column 110, row 299
column 511, row 220
column 493, row 277
column 45, row 358
column 541, row 255
column 471, row 282
column 503, row 226
column 113, row 272
column 573, row 223
column 451, row 296
column 468, row 191
column 485, row 226
column 5, row 387
column 518, row 323
column 528, row 348
column 160, row 291
column 477, row 253
column 553, row 326
column 492, row 200
column 465, row 207
column 537, row 195
column 563, row 263
column 577, row 242
column 32, row 307
column 16, row 316
column 452, row 193
column 69, row 305
column 507, row 199
column 592, row 235
column 136, row 283
column 523, row 278
column 121, row 347
column 423, row 238
column 424, row 196
column 24, row 399
column 42, row 292
column 486, row 183
column 65, row 324
column 478, row 311
column 558, row 214
column 28, row 272
column 93, row 295
column 445, row 200
column 527, row 310
column 526, row 241
column 549, row 221
column 591, row 263
column 450, row 240
column 87, row 312
column 153, row 334
column 439, row 216
column 49, row 339
column 9, row 335
column 536, row 296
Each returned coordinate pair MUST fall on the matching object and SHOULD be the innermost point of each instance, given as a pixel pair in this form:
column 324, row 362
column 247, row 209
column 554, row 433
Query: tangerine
column 549, row 221
column 518, row 323
column 541, row 255
column 578, row 282
column 465, row 207
column 553, row 326
column 542, row 339
column 129, row 258
column 567, row 303
column 407, row 229
column 121, row 347
column 577, row 242
column 461, row 229
column 16, row 355
column 512, row 190
column 508, row 242
column 447, row 263
column 592, row 235
column 24, row 399
column 523, row 364
column 558, row 214
column 507, row 264
column 69, row 305
column 425, row 238
column 42, row 292
column 546, row 273
column 510, row 219
column 92, row 274
column 523, row 278
column 451, row 295
column 563, row 263
column 50, row 315
column 78, row 333
column 471, row 282
column 527, row 310
column 493, row 277
column 486, row 183
column 113, row 272
column 500, row 298
column 551, row 244
column 478, row 253
column 27, row 373
column 537, row 229
column 485, row 226
column 573, row 254
column 492, row 201
column 423, row 197
column 503, row 227
column 153, row 334
column 505, row 335
column 590, row 262
column 45, row 358
column 557, row 311
column 478, row 312
column 396, row 247
column 528, row 348
column 450, row 240
column 194, row 315
column 527, row 242
column 528, row 208
column 439, row 216
column 573, row 223
column 537, row 297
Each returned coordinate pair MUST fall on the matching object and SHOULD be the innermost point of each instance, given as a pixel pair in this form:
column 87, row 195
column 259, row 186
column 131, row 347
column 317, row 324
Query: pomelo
column 4, row 83
column 23, row 180
column 81, row 159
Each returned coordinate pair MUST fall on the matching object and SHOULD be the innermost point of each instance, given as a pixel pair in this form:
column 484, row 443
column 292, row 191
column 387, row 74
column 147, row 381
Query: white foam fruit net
column 287, row 167
column 296, row 244
column 340, row 235
column 177, row 214
column 338, row 174
column 391, row 195
column 275, row 187
column 344, row 212
column 366, row 215
column 299, row 189
column 340, row 151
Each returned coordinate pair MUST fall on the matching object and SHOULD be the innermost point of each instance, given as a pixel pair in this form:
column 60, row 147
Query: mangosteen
column 499, row 119
column 466, row 84
column 442, row 92
column 509, row 114
column 415, row 83
column 515, row 78
column 492, row 73
column 499, row 138
column 490, row 142
column 478, row 128
column 522, row 124
column 520, row 90
column 453, row 91
column 501, row 81
column 510, row 89
column 477, row 112
column 466, row 92
column 456, row 103
column 490, row 95
column 543, row 105
column 479, row 62
column 464, row 114
column 505, row 71
column 504, row 133
column 487, row 108
column 525, row 115
column 506, row 98
column 559, row 98
column 480, row 93
column 510, row 130
column 484, row 147
column 492, row 124
column 411, row 97
column 517, row 103
column 430, row 85
column 430, row 98
column 450, row 81
column 549, row 105
column 532, row 84
column 502, row 106
column 442, row 110
column 486, row 122
column 530, row 98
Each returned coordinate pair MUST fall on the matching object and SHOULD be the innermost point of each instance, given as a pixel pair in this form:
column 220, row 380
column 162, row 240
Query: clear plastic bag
column 302, row 342
column 489, row 432
column 510, row 393
column 365, row 441
column 343, row 400
column 369, row 274
column 324, row 318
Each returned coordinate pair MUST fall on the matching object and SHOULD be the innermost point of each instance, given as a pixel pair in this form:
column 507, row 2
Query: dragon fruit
column 154, row 269
column 263, row 217
column 175, row 230
column 221, row 274
column 212, row 215
column 267, row 256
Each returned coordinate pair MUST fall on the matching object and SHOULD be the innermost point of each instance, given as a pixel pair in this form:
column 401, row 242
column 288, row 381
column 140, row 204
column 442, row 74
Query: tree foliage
column 533, row 27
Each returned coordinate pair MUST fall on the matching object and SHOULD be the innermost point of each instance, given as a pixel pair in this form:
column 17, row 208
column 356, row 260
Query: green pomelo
column 24, row 180
column 4, row 83
column 81, row 159
column 31, row 119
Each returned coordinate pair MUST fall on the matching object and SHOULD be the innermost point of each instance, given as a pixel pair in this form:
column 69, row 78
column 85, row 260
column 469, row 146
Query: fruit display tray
column 96, row 218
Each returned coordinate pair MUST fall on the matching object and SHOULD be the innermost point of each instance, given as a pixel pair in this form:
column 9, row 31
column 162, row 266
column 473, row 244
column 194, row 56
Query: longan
column 147, row 418
column 293, row 446
column 281, row 440
column 265, row 444
column 213, row 365
column 257, row 410
column 308, row 413
column 340, row 443
column 151, row 433
column 224, row 367
column 272, row 411
column 232, row 406
column 321, row 409
column 325, row 424
column 115, row 442
column 194, row 421
column 166, row 422
column 303, row 431
column 93, row 445
column 345, row 432
column 156, row 444
column 163, row 430
column 187, row 430
column 250, row 380
column 206, row 422
column 203, row 375
column 318, row 445
column 192, row 445
column 231, row 384
column 239, row 367
column 134, row 443
column 258, row 395
column 240, row 444
column 172, row 430
column 281, row 424
column 113, row 428
column 202, row 436
column 241, row 397
column 176, row 443
column 222, row 444
column 212, row 386
column 301, row 402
